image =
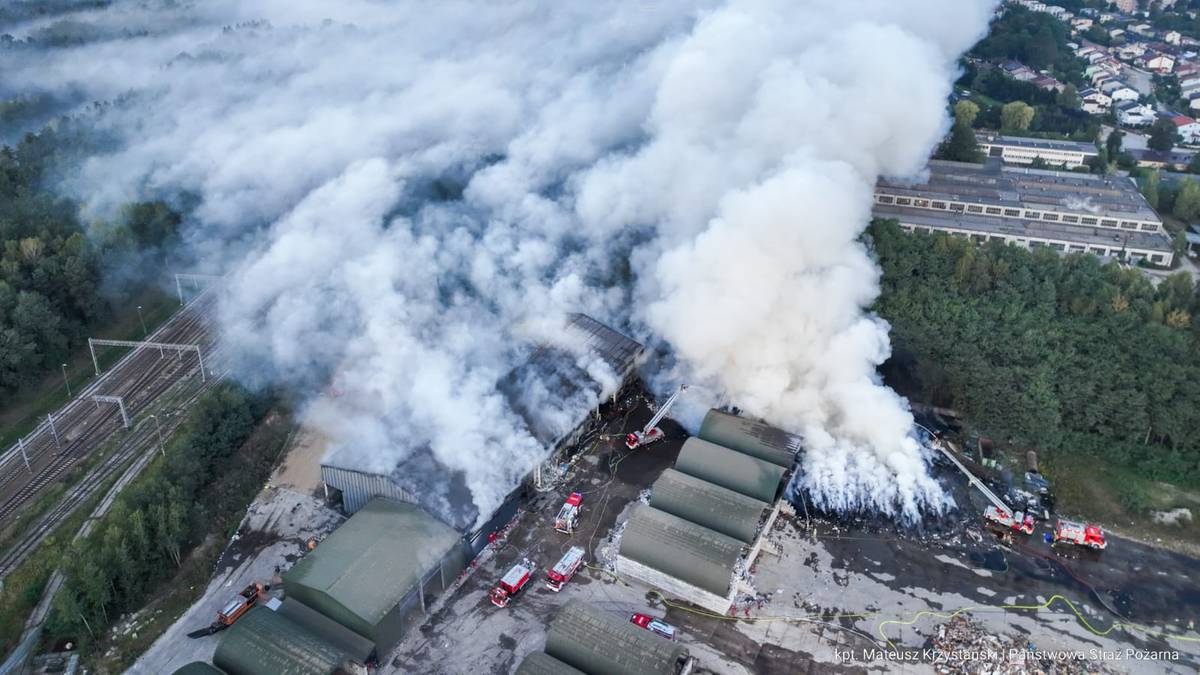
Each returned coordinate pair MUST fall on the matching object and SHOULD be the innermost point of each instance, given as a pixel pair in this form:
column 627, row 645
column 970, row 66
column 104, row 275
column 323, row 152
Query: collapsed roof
column 552, row 392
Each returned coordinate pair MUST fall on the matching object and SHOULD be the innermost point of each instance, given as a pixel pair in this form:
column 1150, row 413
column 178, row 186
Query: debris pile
column 962, row 645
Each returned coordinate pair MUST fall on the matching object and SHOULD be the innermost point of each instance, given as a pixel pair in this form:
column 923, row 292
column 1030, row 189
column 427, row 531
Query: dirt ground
column 300, row 470
column 270, row 539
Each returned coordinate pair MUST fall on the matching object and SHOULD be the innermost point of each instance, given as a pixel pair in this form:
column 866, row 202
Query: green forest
column 52, row 281
column 164, row 513
column 1056, row 353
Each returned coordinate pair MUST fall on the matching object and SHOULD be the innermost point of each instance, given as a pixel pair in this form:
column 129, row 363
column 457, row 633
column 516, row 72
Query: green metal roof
column 601, row 643
column 730, row 469
column 329, row 630
column 541, row 663
column 717, row 508
column 681, row 549
column 263, row 642
column 367, row 566
column 199, row 668
column 750, row 437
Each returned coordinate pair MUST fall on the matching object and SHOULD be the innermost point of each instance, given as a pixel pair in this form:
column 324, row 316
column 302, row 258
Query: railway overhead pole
column 120, row 401
column 139, row 344
column 195, row 279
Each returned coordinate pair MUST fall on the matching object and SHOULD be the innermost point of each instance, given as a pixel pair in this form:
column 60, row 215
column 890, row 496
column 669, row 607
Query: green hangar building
column 708, row 515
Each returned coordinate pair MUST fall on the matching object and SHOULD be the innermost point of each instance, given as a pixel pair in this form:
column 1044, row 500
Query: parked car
column 656, row 626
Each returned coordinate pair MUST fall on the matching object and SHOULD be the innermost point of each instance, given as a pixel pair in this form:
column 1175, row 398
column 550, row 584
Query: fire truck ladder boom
column 975, row 481
column 662, row 412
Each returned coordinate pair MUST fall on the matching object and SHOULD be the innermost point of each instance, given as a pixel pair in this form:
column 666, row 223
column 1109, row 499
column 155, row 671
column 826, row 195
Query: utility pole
column 65, row 380
column 143, row 320
column 53, row 431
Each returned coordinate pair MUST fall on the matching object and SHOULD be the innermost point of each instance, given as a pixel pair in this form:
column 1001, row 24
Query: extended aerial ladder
column 651, row 432
column 999, row 513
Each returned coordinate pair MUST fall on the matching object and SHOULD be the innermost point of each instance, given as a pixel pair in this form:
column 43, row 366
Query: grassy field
column 1117, row 499
column 23, row 410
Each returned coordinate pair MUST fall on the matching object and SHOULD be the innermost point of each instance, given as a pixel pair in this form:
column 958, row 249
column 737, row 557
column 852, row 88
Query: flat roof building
column 378, row 572
column 1067, row 212
column 1017, row 150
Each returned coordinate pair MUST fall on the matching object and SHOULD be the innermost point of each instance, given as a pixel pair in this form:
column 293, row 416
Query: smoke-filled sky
column 410, row 194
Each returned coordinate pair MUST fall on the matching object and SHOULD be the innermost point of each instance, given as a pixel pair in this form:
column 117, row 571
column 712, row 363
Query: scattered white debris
column 1177, row 516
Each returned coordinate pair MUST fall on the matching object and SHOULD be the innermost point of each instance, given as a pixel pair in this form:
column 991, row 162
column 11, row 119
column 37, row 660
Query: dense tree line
column 162, row 515
column 1055, row 114
column 1034, row 38
column 50, row 269
column 1040, row 350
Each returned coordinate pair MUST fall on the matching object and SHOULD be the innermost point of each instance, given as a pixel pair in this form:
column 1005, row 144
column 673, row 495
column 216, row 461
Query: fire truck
column 1079, row 534
column 564, row 569
column 568, row 515
column 651, row 432
column 1018, row 521
column 512, row 583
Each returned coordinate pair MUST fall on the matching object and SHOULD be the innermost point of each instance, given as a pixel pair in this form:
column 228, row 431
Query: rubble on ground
column 963, row 645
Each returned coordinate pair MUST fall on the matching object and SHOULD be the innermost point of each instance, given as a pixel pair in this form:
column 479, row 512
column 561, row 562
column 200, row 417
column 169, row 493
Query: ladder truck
column 651, row 432
column 998, row 514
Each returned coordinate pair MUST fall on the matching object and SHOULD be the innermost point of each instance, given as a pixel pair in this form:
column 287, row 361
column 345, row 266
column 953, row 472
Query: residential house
column 1126, row 6
column 1048, row 83
column 1158, row 62
column 1194, row 104
column 1081, row 23
column 1143, row 29
column 1134, row 114
column 1105, row 17
column 1187, row 128
column 1018, row 71
column 1094, row 101
column 1116, row 33
column 1119, row 91
column 1131, row 50
column 1172, row 37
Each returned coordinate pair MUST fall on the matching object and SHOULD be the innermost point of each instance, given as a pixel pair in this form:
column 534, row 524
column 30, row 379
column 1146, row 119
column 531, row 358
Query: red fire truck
column 512, row 583
column 564, row 569
column 1079, row 534
column 568, row 515
column 1007, row 520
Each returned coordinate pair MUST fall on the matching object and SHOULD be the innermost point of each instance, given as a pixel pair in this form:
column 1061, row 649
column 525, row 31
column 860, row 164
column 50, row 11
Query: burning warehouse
column 554, row 393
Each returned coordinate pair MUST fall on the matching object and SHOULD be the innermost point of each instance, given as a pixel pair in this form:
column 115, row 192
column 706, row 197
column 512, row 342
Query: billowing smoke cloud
column 411, row 195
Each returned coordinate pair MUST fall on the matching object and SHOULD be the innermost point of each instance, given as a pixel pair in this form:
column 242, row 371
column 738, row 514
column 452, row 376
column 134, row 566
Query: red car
column 656, row 626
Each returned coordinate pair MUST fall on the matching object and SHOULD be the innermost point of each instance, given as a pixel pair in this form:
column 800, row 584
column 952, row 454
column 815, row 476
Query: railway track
column 82, row 426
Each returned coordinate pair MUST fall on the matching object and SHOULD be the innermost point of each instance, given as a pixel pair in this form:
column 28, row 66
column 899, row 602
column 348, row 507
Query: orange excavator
column 234, row 609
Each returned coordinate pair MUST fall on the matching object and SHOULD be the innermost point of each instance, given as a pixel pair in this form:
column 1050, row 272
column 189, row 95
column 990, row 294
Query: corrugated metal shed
column 199, row 668
column 541, row 663
column 742, row 473
column 367, row 575
column 600, row 643
column 679, row 548
column 750, row 437
column 360, row 487
column 263, row 642
column 717, row 508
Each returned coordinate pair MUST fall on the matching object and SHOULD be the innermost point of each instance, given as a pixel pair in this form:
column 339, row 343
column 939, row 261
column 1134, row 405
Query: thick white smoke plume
column 409, row 194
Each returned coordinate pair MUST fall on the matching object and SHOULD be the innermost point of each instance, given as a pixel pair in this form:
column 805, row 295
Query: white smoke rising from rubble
column 699, row 173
